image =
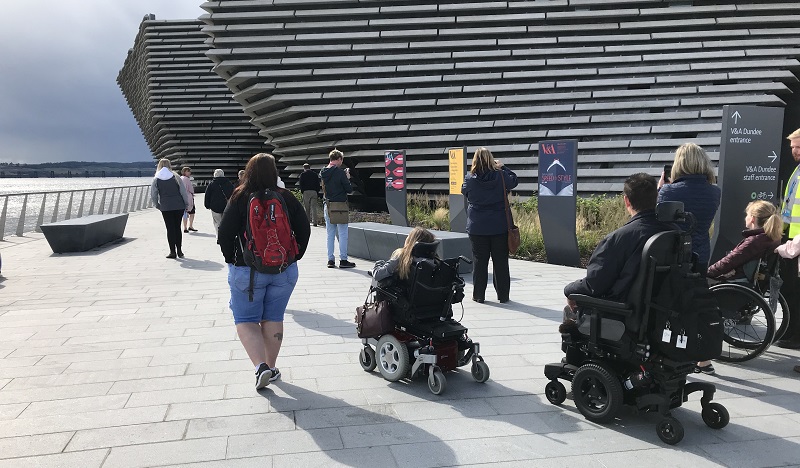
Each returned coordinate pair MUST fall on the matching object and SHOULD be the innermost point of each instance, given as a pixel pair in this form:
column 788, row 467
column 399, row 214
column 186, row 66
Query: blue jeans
column 332, row 230
column 271, row 294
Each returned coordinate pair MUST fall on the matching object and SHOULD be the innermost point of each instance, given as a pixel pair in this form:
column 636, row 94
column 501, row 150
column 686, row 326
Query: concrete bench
column 376, row 241
column 82, row 234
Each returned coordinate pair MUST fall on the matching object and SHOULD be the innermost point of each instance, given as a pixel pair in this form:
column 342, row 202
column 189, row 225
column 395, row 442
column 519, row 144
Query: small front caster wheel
column 480, row 371
column 715, row 416
column 436, row 382
column 555, row 392
column 367, row 359
column 670, row 430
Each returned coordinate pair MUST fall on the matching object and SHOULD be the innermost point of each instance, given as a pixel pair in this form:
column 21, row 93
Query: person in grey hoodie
column 169, row 196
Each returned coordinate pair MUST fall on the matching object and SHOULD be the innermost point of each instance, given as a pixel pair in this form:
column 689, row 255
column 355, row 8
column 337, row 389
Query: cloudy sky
column 59, row 60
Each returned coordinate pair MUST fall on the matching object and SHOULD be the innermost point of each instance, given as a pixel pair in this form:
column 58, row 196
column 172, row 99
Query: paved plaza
column 118, row 357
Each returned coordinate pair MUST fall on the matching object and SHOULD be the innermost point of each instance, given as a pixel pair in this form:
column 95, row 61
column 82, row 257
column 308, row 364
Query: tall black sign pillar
column 557, row 211
column 749, row 159
column 396, row 197
column 457, row 158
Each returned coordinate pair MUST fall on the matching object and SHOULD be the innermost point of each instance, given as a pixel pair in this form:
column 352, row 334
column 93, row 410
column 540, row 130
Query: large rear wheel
column 748, row 322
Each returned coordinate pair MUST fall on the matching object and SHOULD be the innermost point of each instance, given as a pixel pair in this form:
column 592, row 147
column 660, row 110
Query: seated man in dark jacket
column 615, row 262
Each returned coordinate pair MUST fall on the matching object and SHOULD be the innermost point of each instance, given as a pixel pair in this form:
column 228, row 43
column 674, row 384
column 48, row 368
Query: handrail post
column 69, row 206
column 21, row 223
column 40, row 220
column 80, row 207
column 55, row 208
column 94, row 197
column 143, row 201
column 3, row 218
column 111, row 202
column 102, row 203
column 127, row 201
column 119, row 203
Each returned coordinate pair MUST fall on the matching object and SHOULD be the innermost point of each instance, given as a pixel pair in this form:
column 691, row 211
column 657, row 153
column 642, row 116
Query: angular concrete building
column 185, row 111
column 630, row 79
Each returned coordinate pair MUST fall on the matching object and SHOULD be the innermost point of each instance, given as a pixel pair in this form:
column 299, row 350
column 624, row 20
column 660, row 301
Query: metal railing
column 108, row 200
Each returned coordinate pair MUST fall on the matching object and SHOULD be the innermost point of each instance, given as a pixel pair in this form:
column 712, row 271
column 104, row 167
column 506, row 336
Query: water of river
column 13, row 187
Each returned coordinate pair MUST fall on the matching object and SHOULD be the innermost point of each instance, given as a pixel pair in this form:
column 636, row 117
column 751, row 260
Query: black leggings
column 172, row 220
column 495, row 247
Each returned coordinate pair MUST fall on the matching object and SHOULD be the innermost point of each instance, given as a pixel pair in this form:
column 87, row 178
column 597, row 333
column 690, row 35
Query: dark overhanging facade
column 184, row 110
column 630, row 79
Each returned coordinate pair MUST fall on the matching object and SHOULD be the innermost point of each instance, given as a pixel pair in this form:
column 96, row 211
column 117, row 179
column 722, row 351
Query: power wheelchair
column 426, row 339
column 612, row 358
column 755, row 313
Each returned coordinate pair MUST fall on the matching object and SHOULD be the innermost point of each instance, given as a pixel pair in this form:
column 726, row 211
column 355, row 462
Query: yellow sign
column 456, row 156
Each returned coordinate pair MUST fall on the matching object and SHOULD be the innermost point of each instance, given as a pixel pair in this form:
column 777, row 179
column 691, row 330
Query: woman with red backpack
column 261, row 248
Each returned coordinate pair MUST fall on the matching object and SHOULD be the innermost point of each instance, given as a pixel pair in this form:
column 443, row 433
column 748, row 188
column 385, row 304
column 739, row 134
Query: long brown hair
column 483, row 161
column 766, row 216
column 259, row 174
column 418, row 234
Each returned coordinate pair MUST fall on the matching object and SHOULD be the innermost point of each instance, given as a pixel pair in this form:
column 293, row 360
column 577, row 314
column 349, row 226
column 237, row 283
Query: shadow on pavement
column 107, row 247
column 204, row 265
column 371, row 433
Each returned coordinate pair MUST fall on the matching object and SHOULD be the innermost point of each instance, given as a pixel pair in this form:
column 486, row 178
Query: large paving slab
column 118, row 357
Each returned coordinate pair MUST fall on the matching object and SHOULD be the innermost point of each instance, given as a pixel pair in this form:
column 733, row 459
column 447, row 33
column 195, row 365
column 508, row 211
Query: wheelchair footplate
column 405, row 353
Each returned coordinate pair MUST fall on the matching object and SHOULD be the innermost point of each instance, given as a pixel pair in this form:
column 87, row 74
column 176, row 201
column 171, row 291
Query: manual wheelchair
column 755, row 313
column 612, row 359
column 426, row 339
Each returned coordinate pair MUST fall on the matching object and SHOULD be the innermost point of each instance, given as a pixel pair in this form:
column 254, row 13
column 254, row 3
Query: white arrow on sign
column 772, row 156
column 736, row 116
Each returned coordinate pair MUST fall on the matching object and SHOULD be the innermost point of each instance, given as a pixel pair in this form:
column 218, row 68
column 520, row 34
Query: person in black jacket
column 487, row 224
column 217, row 194
column 310, row 187
column 615, row 262
column 259, row 323
column 337, row 186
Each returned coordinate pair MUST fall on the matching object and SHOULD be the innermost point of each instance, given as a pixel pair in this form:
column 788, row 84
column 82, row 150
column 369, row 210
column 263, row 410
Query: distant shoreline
column 69, row 169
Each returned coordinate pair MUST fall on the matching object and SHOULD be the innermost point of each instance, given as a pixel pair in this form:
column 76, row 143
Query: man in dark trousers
column 217, row 194
column 309, row 186
column 615, row 262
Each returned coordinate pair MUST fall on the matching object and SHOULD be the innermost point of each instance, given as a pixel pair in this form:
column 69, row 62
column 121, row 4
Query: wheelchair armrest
column 601, row 304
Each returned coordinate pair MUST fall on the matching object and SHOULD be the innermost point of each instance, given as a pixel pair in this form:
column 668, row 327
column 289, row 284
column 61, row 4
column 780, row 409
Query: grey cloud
column 58, row 94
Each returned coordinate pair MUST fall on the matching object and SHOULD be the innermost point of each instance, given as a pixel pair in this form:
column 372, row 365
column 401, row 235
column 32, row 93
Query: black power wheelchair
column 612, row 359
column 426, row 339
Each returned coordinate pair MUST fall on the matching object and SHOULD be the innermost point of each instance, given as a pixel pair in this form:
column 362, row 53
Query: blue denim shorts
column 271, row 294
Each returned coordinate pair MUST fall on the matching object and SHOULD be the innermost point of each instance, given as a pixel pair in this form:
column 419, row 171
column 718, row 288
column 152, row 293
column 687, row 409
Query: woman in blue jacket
column 693, row 184
column 487, row 225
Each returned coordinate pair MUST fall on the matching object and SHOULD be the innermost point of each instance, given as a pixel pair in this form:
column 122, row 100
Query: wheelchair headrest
column 425, row 249
column 670, row 212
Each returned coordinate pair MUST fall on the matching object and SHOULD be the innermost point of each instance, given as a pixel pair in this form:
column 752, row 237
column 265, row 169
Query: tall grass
column 596, row 217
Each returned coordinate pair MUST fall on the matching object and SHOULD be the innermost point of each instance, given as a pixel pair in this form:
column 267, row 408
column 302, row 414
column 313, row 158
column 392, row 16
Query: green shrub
column 596, row 217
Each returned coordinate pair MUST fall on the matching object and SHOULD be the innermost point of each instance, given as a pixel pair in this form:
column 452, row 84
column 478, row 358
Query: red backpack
column 269, row 245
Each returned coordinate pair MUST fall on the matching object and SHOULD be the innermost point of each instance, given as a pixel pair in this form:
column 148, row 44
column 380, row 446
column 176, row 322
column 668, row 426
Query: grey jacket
column 169, row 193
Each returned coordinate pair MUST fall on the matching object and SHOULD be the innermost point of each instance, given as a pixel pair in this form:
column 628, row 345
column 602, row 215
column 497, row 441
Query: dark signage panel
column 558, row 161
column 748, row 168
column 395, row 166
column 557, row 168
